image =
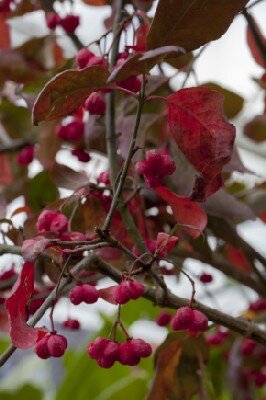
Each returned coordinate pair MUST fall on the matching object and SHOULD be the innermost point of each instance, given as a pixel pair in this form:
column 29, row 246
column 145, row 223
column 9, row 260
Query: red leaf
column 31, row 248
column 6, row 177
column 185, row 211
column 255, row 51
column 238, row 258
column 4, row 32
column 22, row 335
column 202, row 133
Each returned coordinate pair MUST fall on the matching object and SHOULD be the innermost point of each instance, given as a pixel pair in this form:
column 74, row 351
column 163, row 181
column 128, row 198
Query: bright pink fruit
column 70, row 23
column 216, row 338
column 52, row 20
column 95, row 104
column 72, row 131
column 183, row 319
column 90, row 294
column 247, row 347
column 41, row 349
column 25, row 156
column 141, row 348
column 71, row 324
column 104, row 177
column 206, row 278
column 83, row 57
column 56, row 345
column 127, row 356
column 122, row 294
column 97, row 61
column 44, row 220
column 199, row 323
column 136, row 289
column 96, row 349
column 163, row 318
column 59, row 223
column 82, row 155
column 76, row 295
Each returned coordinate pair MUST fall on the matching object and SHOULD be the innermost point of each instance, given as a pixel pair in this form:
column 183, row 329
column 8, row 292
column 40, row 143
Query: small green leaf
column 41, row 191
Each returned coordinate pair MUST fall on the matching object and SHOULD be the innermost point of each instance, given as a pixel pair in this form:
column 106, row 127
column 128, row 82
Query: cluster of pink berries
column 69, row 23
column 25, row 156
column 51, row 221
column 51, row 345
column 185, row 319
column 83, row 293
column 106, row 352
column 128, row 290
column 155, row 168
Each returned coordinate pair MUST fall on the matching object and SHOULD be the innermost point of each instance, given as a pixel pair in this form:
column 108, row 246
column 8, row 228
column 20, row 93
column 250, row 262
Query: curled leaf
column 22, row 335
column 185, row 211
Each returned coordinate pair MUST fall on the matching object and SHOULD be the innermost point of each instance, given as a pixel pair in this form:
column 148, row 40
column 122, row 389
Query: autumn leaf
column 203, row 135
column 67, row 91
column 6, row 177
column 5, row 40
column 185, row 211
column 252, row 44
column 190, row 23
column 238, row 258
column 256, row 129
column 142, row 63
column 22, row 335
column 177, row 364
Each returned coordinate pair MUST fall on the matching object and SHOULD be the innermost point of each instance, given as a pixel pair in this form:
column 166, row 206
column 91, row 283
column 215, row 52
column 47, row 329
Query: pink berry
column 258, row 305
column 133, row 84
column 41, row 349
column 110, row 355
column 83, row 57
column 104, row 177
column 73, row 237
column 56, row 345
column 96, row 349
column 95, row 104
column 44, row 220
column 76, row 295
column 206, row 278
column 72, row 131
column 199, row 323
column 127, row 356
column 216, row 338
column 25, row 156
column 183, row 319
column 52, row 20
column 72, row 324
column 247, row 347
column 90, row 294
column 141, row 348
column 82, row 155
column 163, row 318
column 259, row 378
column 97, row 61
column 59, row 223
column 155, row 168
column 136, row 289
column 70, row 23
column 105, row 362
column 122, row 293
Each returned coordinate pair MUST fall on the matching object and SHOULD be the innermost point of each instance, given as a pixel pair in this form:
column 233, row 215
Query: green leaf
column 67, row 91
column 41, row 191
column 233, row 103
column 191, row 23
column 26, row 392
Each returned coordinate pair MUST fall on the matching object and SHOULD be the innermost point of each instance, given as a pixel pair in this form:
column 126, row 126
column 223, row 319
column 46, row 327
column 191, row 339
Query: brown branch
column 238, row 325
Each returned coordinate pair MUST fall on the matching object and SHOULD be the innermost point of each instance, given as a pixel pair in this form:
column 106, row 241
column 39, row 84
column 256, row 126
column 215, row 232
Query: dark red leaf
column 185, row 211
column 202, row 133
column 22, row 335
column 107, row 294
column 4, row 32
column 67, row 91
column 254, row 49
column 256, row 129
column 191, row 23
